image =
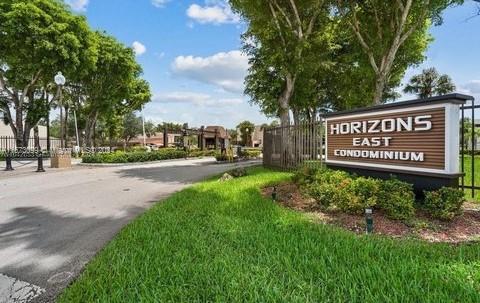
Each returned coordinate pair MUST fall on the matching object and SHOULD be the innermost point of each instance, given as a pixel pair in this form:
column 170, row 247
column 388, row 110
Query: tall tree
column 169, row 126
column 430, row 83
column 114, row 85
column 38, row 39
column 282, row 30
column 384, row 30
column 132, row 127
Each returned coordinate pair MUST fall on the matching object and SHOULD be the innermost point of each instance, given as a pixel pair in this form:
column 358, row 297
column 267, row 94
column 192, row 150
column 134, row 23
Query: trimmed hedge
column 196, row 153
column 445, row 203
column 250, row 153
column 336, row 189
column 132, row 157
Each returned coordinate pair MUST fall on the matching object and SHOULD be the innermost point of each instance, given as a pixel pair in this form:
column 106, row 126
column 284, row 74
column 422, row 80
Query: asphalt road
column 52, row 224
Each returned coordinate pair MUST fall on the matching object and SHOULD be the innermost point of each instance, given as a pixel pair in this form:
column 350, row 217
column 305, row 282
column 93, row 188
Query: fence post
column 165, row 138
column 473, row 149
column 8, row 161
column 40, row 168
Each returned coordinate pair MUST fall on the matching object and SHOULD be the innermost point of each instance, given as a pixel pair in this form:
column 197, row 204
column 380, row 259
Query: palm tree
column 430, row 83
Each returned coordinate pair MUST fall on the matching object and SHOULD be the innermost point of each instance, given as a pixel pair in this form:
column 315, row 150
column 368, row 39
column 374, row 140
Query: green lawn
column 468, row 176
column 223, row 242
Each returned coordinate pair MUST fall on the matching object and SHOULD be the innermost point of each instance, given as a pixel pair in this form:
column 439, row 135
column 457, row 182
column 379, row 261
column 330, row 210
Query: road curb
column 142, row 163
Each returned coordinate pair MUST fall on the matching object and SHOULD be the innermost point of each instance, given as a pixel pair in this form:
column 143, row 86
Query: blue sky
column 190, row 54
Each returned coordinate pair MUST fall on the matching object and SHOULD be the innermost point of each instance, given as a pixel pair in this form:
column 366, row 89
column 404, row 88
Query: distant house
column 210, row 134
column 156, row 140
column 256, row 139
column 218, row 133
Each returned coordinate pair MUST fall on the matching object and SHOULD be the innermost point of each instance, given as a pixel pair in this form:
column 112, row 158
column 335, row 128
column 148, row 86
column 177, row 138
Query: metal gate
column 288, row 147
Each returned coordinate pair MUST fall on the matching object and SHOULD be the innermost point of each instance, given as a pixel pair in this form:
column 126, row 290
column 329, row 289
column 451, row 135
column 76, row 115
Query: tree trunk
column 284, row 100
column 26, row 135
column 19, row 126
column 36, row 138
column 379, row 89
column 47, row 118
column 90, row 128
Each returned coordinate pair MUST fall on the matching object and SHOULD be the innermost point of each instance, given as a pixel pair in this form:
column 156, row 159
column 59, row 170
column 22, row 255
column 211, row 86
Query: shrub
column 250, row 153
column 238, row 172
column 397, row 199
column 201, row 153
column 445, row 203
column 362, row 194
column 253, row 153
column 221, row 157
column 352, row 194
column 330, row 194
column 132, row 157
column 328, row 187
column 304, row 175
column 331, row 176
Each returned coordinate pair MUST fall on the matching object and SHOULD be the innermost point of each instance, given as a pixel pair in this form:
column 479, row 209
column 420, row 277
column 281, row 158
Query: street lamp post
column 60, row 81
column 143, row 127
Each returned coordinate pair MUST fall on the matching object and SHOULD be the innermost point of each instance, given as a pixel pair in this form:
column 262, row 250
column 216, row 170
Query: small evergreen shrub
column 329, row 194
column 221, row 156
column 250, row 153
column 445, row 203
column 397, row 199
column 195, row 153
column 328, row 187
column 253, row 153
column 353, row 194
column 363, row 193
column 304, row 175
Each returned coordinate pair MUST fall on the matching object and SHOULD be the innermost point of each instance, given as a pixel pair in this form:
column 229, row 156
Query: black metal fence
column 469, row 141
column 289, row 147
column 9, row 143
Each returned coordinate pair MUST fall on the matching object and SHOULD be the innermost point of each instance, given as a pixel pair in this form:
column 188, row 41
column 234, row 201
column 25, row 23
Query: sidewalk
column 24, row 166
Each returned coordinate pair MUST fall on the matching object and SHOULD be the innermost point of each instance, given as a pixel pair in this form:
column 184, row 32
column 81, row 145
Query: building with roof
column 215, row 137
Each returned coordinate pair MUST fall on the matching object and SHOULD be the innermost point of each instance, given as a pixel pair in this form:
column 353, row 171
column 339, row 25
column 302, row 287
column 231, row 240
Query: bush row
column 195, row 153
column 137, row 156
column 250, row 153
column 333, row 189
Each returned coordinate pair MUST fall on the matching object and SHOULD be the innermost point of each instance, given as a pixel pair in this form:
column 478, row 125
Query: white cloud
column 472, row 87
column 226, row 70
column 215, row 12
column 138, row 48
column 193, row 98
column 160, row 3
column 78, row 5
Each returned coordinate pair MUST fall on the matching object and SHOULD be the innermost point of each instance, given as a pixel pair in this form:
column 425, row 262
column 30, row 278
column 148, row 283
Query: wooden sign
column 413, row 136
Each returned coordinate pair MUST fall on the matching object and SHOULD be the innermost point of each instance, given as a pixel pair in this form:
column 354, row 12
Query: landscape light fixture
column 274, row 194
column 369, row 220
column 60, row 81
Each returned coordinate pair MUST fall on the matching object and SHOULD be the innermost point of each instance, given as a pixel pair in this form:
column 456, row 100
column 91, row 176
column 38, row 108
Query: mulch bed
column 465, row 228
